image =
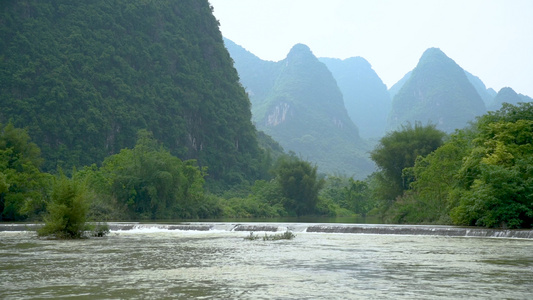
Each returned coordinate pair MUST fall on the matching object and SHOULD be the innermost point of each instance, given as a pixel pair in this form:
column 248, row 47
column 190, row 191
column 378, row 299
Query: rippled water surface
column 223, row 265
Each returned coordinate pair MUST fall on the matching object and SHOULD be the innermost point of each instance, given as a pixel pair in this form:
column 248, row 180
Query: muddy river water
column 147, row 262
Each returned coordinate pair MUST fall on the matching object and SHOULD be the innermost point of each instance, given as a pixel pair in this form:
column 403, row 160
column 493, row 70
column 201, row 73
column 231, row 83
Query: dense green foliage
column 495, row 182
column 437, row 91
column 481, row 176
column 147, row 182
column 22, row 186
column 397, row 151
column 298, row 103
column 85, row 76
column 344, row 196
column 299, row 185
column 366, row 98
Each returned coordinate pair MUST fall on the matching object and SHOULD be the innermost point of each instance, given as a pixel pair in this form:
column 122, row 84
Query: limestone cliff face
column 278, row 114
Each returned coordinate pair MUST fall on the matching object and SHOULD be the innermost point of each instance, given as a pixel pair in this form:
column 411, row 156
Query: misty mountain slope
column 487, row 94
column 256, row 75
column 398, row 85
column 85, row 76
column 366, row 98
column 437, row 91
column 304, row 111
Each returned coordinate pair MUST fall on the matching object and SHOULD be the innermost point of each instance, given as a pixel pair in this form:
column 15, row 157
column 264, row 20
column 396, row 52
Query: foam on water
column 199, row 227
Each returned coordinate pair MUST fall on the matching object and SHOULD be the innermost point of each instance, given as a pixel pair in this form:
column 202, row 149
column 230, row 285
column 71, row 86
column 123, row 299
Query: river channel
column 169, row 263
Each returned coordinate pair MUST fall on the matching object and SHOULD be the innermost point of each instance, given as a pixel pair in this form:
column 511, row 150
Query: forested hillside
column 437, row 91
column 85, row 76
column 366, row 97
column 297, row 102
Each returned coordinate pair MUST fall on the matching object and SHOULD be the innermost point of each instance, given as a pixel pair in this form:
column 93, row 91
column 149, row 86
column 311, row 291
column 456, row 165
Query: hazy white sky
column 492, row 39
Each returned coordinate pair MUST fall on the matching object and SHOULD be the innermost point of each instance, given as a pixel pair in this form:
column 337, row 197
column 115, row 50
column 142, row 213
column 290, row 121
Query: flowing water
column 204, row 261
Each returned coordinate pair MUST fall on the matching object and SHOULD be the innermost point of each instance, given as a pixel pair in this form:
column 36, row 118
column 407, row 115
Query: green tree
column 22, row 186
column 299, row 184
column 398, row 150
column 428, row 199
column 150, row 183
column 481, row 176
column 497, row 177
column 67, row 211
column 358, row 198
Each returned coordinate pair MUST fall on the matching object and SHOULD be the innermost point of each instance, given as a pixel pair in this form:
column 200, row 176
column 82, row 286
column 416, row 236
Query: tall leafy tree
column 357, row 196
column 397, row 151
column 150, row 183
column 428, row 199
column 299, row 184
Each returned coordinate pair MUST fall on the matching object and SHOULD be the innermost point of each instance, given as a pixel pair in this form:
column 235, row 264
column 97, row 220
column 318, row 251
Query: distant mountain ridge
column 507, row 95
column 303, row 109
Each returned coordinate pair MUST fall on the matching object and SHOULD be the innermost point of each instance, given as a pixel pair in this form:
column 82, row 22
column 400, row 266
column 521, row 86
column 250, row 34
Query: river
column 216, row 262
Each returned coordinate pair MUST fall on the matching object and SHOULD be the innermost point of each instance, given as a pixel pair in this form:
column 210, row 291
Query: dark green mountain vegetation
column 84, row 76
column 366, row 98
column 437, row 91
column 299, row 104
column 482, row 175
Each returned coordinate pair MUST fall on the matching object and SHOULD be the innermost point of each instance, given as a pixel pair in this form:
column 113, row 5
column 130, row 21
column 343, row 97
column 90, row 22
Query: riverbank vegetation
column 148, row 183
column 481, row 175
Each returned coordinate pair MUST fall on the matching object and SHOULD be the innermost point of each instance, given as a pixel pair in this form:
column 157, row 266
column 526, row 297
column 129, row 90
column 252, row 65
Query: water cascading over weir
column 435, row 230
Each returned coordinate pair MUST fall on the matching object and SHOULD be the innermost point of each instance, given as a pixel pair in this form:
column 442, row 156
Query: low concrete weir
column 423, row 230
column 435, row 230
